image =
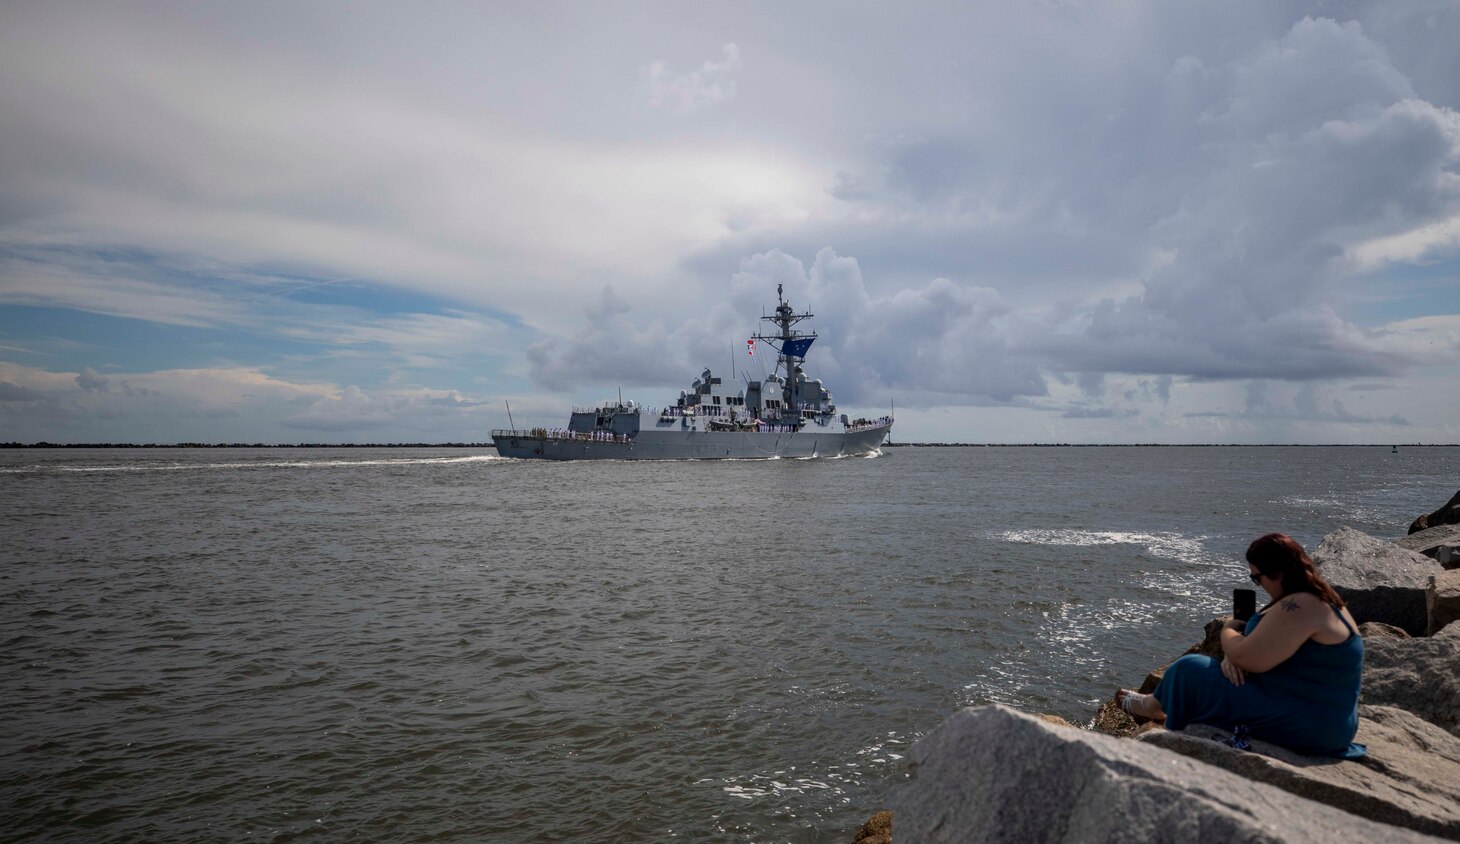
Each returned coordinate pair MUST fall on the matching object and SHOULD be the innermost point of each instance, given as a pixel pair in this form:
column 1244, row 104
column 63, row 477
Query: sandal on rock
column 1132, row 703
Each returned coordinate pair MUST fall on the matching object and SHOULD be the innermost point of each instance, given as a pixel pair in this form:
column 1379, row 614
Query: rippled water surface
column 441, row 644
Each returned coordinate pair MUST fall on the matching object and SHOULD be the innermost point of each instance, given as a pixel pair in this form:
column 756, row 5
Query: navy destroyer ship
column 785, row 414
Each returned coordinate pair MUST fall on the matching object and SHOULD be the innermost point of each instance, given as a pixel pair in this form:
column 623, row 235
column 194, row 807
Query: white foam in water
column 281, row 464
column 1172, row 545
column 1345, row 509
column 872, row 763
column 1072, row 628
column 1293, row 501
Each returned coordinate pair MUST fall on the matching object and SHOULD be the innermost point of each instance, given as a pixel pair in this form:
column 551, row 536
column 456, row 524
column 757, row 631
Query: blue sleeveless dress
column 1308, row 703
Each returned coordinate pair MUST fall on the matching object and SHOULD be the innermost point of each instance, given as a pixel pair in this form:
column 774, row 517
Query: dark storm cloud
column 15, row 392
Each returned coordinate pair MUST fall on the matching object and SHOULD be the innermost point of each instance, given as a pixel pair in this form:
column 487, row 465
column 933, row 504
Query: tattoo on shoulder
column 1290, row 605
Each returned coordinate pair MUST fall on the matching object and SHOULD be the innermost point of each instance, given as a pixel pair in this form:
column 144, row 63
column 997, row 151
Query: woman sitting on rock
column 1290, row 674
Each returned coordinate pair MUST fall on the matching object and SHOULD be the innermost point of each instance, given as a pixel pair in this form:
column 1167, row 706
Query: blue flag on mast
column 797, row 348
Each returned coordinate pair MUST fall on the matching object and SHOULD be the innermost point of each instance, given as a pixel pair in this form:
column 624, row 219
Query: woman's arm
column 1283, row 629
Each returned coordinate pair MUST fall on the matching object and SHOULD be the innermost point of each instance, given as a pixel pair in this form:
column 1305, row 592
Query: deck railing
column 864, row 424
column 607, row 437
column 557, row 434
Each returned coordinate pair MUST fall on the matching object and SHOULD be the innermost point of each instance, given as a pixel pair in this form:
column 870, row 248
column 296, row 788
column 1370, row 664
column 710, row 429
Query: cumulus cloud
column 712, row 83
column 90, row 380
column 1299, row 167
column 613, row 348
column 941, row 341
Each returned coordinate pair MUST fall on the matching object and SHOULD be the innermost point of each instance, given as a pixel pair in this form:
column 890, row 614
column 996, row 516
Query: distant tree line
column 1162, row 445
column 885, row 445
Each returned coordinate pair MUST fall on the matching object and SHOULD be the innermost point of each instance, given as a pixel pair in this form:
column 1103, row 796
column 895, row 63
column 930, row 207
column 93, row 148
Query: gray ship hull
column 693, row 445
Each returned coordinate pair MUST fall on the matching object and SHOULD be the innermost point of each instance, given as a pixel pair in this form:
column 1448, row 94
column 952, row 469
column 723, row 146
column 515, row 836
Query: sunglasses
column 1256, row 577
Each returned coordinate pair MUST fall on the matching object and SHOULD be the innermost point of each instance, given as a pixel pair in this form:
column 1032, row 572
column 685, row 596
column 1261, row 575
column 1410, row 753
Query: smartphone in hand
column 1244, row 603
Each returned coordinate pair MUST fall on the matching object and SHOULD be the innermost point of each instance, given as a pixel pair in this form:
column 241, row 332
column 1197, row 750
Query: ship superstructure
column 785, row 414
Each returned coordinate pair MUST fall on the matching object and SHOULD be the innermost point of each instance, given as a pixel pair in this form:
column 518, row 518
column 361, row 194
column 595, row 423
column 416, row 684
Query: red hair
column 1281, row 558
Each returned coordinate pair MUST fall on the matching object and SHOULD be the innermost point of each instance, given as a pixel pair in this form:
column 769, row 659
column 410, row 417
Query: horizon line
column 43, row 444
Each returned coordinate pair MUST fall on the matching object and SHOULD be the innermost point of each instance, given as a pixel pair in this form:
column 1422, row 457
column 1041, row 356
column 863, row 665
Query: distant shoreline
column 17, row 445
column 246, row 445
column 1170, row 445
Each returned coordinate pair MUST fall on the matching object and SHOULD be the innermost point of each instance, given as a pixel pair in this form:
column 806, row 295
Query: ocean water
column 439, row 644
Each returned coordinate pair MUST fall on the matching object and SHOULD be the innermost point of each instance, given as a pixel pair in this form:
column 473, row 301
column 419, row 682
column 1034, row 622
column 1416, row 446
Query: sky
column 1043, row 222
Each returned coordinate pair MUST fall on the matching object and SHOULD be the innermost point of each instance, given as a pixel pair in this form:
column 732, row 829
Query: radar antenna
column 789, row 353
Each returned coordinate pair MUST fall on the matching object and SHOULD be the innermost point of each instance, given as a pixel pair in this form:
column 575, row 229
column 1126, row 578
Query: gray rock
column 1370, row 629
column 1111, row 720
column 1378, row 580
column 1420, row 675
column 992, row 774
column 877, row 830
column 1410, row 777
column 1449, row 514
column 1211, row 639
column 1429, row 541
column 1442, row 600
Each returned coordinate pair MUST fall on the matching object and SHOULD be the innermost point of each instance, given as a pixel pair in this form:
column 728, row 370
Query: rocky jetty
column 1435, row 542
column 993, row 774
column 1446, row 515
column 1410, row 777
column 1379, row 580
column 1419, row 675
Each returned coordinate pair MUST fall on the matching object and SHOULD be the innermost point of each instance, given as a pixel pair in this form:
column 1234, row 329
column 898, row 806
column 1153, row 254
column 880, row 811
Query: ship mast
column 786, row 317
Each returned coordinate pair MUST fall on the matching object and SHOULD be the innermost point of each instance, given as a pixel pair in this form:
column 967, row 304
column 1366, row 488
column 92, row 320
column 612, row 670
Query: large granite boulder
column 1429, row 541
column 992, row 774
column 1442, row 600
column 1410, row 777
column 1378, row 580
column 1420, row 675
column 1446, row 515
